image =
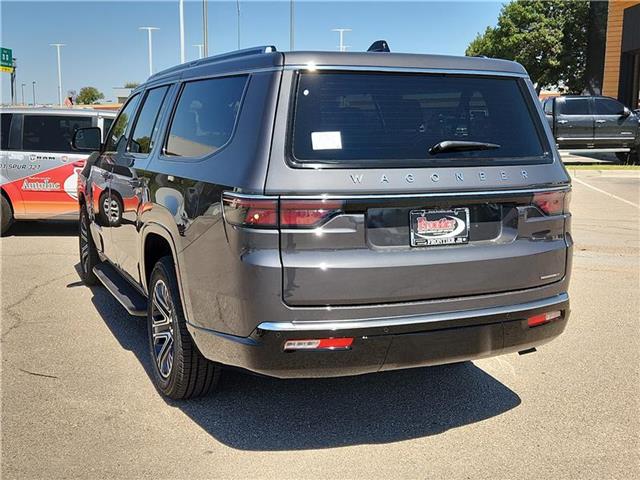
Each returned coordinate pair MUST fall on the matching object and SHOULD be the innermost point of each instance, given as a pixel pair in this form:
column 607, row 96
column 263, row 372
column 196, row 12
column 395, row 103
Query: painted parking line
column 581, row 182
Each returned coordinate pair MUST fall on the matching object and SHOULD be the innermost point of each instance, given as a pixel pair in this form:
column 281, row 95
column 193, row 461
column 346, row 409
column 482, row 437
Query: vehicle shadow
column 36, row 228
column 251, row 412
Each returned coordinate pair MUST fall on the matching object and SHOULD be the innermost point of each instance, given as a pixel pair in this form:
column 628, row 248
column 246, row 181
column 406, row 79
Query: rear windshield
column 365, row 119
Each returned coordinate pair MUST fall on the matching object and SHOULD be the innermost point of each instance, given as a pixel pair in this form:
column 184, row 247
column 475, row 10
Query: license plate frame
column 435, row 228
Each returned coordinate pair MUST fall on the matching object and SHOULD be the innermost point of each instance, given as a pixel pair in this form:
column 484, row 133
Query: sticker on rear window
column 326, row 140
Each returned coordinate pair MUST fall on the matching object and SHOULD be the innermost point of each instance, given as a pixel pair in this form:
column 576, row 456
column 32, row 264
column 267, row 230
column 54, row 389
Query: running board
column 132, row 300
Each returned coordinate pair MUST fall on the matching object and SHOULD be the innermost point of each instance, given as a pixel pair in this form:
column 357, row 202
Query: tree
column 89, row 95
column 131, row 84
column 549, row 38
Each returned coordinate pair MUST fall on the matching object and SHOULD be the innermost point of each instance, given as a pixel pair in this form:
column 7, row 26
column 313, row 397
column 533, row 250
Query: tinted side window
column 51, row 133
column 143, row 133
column 117, row 136
column 5, row 126
column 576, row 106
column 548, row 106
column 608, row 106
column 205, row 116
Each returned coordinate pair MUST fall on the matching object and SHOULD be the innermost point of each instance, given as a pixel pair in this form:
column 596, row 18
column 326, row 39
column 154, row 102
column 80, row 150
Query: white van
column 38, row 166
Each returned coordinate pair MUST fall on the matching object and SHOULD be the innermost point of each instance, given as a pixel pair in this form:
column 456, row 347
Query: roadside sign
column 6, row 69
column 6, row 57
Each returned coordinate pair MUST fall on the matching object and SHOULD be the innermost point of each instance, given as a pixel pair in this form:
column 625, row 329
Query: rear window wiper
column 461, row 146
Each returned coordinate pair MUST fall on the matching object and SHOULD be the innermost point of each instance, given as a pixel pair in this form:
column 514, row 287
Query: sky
column 104, row 47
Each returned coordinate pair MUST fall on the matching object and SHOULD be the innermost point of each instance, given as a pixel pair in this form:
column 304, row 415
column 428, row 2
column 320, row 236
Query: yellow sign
column 6, row 69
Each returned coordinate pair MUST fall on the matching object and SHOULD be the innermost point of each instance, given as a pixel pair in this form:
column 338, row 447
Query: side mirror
column 626, row 112
column 87, row 139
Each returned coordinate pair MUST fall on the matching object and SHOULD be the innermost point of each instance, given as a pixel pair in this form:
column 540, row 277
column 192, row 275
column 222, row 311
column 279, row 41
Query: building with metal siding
column 621, row 75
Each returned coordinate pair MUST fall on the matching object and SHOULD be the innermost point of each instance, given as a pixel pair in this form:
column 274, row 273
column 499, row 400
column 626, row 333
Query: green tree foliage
column 89, row 95
column 131, row 84
column 549, row 38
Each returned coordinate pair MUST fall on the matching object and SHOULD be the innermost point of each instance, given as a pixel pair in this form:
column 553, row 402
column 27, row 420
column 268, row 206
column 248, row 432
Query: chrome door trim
column 411, row 320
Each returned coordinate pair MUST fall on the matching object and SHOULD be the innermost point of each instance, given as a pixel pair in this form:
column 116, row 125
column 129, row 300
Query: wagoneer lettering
column 375, row 212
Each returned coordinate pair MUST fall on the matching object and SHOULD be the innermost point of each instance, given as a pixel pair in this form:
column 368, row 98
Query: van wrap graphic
column 45, row 193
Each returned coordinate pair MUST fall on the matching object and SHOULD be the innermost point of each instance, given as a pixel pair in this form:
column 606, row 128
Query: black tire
column 629, row 158
column 179, row 369
column 6, row 215
column 88, row 253
column 622, row 157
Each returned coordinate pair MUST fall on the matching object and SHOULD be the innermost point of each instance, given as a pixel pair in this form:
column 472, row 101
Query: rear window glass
column 5, row 126
column 51, row 133
column 394, row 119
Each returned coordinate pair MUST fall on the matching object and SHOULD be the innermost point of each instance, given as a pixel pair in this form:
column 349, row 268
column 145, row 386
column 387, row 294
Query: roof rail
column 217, row 58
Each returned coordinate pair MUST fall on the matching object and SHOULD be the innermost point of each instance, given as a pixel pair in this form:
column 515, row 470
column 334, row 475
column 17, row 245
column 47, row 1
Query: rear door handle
column 601, row 121
column 562, row 122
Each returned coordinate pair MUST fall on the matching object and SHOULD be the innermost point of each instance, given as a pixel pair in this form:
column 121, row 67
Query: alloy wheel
column 162, row 328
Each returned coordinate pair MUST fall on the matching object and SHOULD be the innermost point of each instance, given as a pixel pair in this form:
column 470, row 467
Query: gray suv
column 316, row 214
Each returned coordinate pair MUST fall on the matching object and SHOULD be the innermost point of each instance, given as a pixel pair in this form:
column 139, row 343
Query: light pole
column 181, row 8
column 341, row 31
column 199, row 45
column 238, row 8
column 58, row 47
column 22, row 86
column 291, row 25
column 149, row 30
column 205, row 28
column 33, row 85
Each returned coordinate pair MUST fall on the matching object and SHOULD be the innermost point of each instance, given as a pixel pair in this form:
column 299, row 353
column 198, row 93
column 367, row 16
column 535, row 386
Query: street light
column 205, row 27
column 199, row 46
column 22, row 86
column 291, row 25
column 149, row 30
column 58, row 47
column 33, row 84
column 181, row 8
column 341, row 31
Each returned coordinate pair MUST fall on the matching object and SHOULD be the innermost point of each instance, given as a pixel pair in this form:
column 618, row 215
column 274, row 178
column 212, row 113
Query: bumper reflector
column 543, row 318
column 319, row 344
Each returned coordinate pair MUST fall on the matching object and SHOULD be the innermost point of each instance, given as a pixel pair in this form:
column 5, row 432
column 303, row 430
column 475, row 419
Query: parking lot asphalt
column 77, row 399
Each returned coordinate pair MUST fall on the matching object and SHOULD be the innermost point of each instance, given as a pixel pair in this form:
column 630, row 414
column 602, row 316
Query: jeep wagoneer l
column 314, row 214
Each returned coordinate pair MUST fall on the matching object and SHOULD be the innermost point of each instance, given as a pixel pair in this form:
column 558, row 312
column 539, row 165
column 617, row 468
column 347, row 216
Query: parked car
column 39, row 168
column 603, row 124
column 315, row 214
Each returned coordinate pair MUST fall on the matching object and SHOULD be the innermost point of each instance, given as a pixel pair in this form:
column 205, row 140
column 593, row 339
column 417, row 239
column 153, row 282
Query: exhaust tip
column 528, row 350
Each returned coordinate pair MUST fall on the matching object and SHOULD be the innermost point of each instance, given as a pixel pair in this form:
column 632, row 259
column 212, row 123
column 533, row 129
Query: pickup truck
column 602, row 124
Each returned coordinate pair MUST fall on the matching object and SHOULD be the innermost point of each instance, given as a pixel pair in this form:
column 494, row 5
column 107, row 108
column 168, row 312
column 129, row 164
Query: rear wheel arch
column 156, row 243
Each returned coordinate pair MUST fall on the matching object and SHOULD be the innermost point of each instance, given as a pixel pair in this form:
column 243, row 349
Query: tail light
column 543, row 318
column 552, row 203
column 250, row 212
column 307, row 213
column 264, row 212
column 319, row 344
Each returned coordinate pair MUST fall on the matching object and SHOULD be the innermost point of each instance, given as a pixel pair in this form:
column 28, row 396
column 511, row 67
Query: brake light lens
column 552, row 203
column 307, row 213
column 319, row 344
column 543, row 318
column 250, row 212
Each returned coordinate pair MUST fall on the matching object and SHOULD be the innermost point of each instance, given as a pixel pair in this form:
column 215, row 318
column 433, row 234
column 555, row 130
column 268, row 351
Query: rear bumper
column 386, row 343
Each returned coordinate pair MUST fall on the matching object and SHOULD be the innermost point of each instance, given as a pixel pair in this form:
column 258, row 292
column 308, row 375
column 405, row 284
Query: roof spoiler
column 379, row 46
